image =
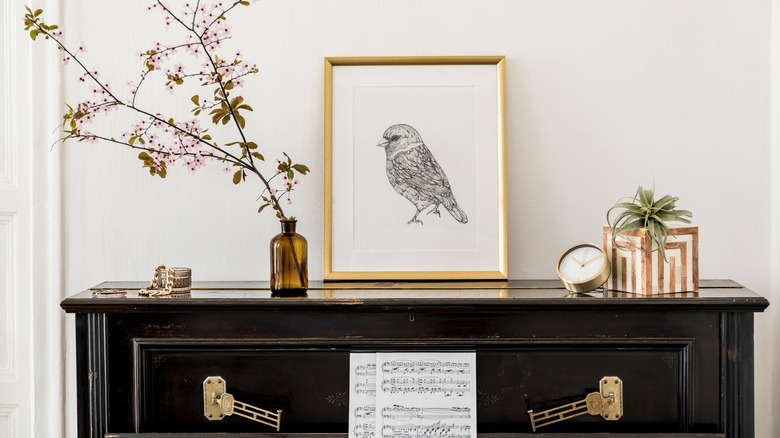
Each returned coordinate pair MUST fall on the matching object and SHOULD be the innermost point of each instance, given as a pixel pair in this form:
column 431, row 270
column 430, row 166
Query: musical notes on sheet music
column 365, row 412
column 425, row 367
column 426, row 385
column 413, row 395
column 435, row 430
column 368, row 369
column 362, row 395
column 403, row 413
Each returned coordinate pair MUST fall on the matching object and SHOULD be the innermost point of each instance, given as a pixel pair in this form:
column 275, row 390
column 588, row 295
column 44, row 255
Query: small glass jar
column 289, row 275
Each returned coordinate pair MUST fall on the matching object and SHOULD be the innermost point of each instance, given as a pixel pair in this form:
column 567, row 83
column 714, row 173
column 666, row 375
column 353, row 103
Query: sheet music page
column 362, row 395
column 426, row 395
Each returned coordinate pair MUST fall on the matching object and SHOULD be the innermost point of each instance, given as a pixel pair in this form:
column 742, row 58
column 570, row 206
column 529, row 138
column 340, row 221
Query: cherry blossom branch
column 189, row 138
column 224, row 92
column 117, row 101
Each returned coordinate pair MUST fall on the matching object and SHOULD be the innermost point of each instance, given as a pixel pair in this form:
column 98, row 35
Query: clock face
column 583, row 267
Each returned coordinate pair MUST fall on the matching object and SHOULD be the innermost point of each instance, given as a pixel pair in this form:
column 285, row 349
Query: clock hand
column 581, row 264
column 594, row 258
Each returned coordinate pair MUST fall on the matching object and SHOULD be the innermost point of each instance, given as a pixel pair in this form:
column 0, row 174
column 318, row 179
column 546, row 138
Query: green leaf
column 262, row 207
column 240, row 120
column 245, row 106
column 218, row 114
column 237, row 176
column 681, row 213
column 229, row 85
column 195, row 99
column 226, row 119
column 258, row 156
column 642, row 195
column 626, row 205
column 662, row 227
column 251, row 145
column 34, row 33
column 290, row 175
column 236, row 101
column 665, row 201
column 144, row 156
column 302, row 169
column 629, row 226
column 38, row 12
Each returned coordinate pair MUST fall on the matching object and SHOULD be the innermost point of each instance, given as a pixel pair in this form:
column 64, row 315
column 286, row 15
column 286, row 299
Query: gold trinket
column 167, row 281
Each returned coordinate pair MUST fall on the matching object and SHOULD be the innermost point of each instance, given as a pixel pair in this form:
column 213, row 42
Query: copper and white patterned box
column 646, row 273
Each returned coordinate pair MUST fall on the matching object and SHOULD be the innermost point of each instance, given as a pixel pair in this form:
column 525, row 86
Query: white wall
column 602, row 96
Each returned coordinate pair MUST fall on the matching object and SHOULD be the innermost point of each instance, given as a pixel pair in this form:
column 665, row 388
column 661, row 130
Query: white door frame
column 31, row 322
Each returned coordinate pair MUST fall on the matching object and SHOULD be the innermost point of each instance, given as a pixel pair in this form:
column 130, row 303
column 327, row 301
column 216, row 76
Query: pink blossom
column 82, row 47
column 65, row 60
column 89, row 137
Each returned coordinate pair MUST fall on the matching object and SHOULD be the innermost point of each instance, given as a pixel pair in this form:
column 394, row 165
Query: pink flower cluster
column 171, row 143
column 85, row 112
column 168, row 142
column 208, row 32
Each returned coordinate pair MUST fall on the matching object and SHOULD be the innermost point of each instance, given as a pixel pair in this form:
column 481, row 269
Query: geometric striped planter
column 646, row 273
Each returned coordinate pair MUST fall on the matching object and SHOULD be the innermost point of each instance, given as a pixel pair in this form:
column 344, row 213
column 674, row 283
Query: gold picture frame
column 365, row 87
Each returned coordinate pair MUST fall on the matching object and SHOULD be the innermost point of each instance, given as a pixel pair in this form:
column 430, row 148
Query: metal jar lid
column 182, row 280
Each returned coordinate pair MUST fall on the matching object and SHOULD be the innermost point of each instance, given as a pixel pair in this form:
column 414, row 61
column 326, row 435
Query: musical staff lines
column 362, row 395
column 435, row 430
column 427, row 385
column 403, row 413
column 426, row 395
column 425, row 367
column 413, row 395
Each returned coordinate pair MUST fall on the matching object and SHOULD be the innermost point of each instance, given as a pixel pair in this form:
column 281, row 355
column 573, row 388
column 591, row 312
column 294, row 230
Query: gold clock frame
column 501, row 273
column 588, row 284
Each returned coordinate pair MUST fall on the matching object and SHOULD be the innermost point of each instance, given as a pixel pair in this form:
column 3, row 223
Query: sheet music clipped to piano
column 413, row 395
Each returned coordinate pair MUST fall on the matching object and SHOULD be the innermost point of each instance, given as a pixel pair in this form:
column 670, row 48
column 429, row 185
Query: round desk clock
column 583, row 267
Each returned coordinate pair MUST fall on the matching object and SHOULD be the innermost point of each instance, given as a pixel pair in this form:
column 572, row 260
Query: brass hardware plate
column 217, row 404
column 213, row 389
column 608, row 403
column 611, row 387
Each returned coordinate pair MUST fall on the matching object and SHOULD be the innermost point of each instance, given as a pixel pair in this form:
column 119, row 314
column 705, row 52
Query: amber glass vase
column 289, row 275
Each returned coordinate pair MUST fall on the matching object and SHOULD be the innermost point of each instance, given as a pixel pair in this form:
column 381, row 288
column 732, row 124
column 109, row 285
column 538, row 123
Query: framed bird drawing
column 415, row 179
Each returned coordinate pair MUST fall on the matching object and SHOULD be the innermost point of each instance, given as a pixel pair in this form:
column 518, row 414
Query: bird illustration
column 415, row 174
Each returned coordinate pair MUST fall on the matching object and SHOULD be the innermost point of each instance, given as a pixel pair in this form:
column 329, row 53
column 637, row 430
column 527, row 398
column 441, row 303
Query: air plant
column 645, row 212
